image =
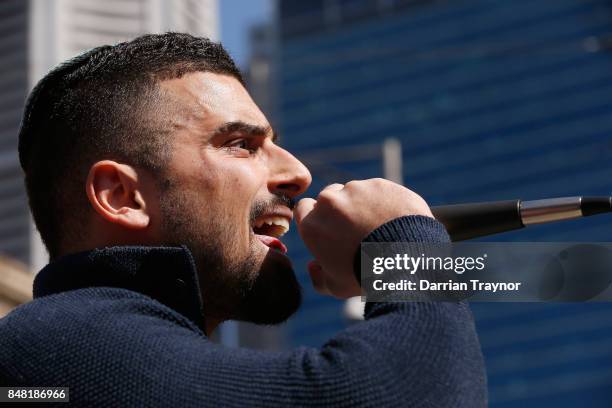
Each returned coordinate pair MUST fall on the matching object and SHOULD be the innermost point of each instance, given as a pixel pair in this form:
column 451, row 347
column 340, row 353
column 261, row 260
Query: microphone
column 472, row 220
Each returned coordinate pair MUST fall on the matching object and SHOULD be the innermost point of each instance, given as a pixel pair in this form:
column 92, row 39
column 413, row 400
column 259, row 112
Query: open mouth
column 269, row 228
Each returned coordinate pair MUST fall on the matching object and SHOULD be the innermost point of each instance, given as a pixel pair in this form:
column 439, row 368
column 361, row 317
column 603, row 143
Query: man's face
column 227, row 194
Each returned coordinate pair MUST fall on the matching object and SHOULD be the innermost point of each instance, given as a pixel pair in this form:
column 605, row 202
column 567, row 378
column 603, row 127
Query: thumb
column 303, row 208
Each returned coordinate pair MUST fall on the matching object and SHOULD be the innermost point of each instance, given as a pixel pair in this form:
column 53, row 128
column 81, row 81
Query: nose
column 288, row 175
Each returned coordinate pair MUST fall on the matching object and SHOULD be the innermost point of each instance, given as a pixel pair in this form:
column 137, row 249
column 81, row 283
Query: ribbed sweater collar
column 166, row 274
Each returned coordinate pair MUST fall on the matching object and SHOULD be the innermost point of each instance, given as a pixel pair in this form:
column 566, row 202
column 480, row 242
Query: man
column 160, row 193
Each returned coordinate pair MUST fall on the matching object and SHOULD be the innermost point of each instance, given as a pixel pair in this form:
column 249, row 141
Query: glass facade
column 14, row 214
column 491, row 100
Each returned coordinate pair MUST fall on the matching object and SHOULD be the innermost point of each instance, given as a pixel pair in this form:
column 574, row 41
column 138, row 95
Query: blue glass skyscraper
column 491, row 100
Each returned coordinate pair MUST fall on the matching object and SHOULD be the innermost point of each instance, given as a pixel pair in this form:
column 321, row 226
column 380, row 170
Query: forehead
column 213, row 99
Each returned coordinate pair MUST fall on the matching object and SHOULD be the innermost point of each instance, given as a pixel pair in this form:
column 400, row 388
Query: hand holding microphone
column 333, row 225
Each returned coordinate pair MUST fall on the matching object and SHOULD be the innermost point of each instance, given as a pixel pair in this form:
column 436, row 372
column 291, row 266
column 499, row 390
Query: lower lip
column 272, row 242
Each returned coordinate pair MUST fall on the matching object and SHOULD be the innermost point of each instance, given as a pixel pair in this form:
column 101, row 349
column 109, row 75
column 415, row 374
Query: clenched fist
column 333, row 225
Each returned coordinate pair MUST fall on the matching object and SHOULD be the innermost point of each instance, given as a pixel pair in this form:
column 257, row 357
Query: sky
column 236, row 17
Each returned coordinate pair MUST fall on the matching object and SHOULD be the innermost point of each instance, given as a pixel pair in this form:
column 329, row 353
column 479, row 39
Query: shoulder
column 81, row 332
column 98, row 307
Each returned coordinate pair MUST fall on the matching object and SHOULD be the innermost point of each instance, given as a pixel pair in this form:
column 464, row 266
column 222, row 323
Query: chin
column 276, row 293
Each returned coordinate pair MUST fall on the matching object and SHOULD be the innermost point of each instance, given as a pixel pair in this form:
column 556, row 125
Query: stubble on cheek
column 227, row 268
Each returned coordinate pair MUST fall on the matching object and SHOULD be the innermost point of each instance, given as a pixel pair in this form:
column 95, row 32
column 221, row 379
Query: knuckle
column 326, row 196
column 356, row 185
column 333, row 186
column 352, row 184
column 377, row 183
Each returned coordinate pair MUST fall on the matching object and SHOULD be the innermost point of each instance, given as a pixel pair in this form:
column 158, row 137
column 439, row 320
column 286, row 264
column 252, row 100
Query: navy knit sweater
column 123, row 327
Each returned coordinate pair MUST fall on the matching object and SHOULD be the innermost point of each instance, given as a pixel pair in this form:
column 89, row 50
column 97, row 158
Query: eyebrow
column 246, row 129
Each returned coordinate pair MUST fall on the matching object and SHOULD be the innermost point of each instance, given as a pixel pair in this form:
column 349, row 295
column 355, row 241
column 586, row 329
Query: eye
column 242, row 145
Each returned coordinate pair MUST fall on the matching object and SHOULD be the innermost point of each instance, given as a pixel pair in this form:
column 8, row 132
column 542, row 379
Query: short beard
column 233, row 285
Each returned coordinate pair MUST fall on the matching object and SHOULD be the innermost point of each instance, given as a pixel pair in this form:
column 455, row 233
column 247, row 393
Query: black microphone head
column 595, row 205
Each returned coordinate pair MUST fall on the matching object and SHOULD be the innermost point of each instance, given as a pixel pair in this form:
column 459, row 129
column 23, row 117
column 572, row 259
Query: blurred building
column 38, row 34
column 15, row 284
column 491, row 100
column 259, row 73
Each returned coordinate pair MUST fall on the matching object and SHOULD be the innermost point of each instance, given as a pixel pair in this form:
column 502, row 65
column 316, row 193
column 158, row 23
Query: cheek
column 239, row 186
column 242, row 182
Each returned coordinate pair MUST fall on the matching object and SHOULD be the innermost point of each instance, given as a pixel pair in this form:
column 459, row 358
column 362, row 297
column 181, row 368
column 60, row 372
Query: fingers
column 303, row 208
column 333, row 187
column 306, row 205
column 330, row 191
column 330, row 194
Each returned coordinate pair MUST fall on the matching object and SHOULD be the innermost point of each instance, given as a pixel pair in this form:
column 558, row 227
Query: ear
column 115, row 192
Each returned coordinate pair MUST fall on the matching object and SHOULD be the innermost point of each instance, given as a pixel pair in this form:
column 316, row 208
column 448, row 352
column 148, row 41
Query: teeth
column 280, row 222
